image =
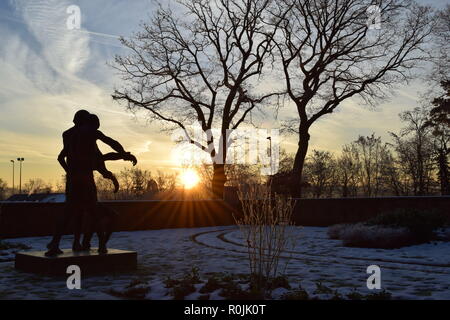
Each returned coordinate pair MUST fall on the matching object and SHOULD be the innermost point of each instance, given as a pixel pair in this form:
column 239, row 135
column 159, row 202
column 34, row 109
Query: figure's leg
column 104, row 234
column 107, row 220
column 60, row 227
column 77, row 227
column 90, row 226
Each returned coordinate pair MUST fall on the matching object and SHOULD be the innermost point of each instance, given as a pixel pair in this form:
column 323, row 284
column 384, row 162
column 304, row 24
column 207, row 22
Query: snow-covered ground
column 416, row 272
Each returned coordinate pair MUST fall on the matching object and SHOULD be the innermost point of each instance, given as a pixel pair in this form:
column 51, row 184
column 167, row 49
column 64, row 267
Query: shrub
column 334, row 232
column 390, row 230
column 421, row 223
column 354, row 295
column 182, row 290
column 212, row 284
column 265, row 228
column 135, row 290
column 367, row 236
column 322, row 289
column 298, row 294
column 184, row 286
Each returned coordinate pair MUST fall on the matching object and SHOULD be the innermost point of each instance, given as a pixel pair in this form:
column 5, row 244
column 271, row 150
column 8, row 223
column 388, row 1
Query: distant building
column 38, row 197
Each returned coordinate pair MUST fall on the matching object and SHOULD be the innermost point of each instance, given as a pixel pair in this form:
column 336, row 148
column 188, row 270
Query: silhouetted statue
column 79, row 157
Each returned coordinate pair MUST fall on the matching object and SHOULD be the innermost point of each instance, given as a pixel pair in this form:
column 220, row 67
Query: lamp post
column 13, row 165
column 270, row 153
column 20, row 175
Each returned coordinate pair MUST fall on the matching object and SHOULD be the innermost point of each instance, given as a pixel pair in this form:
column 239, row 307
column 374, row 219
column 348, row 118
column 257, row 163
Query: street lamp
column 13, row 165
column 20, row 176
column 270, row 153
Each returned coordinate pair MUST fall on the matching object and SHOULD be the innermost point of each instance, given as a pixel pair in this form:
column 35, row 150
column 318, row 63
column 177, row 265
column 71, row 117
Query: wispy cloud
column 66, row 51
column 49, row 71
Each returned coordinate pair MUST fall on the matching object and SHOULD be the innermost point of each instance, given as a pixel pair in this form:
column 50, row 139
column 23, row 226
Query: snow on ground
column 415, row 272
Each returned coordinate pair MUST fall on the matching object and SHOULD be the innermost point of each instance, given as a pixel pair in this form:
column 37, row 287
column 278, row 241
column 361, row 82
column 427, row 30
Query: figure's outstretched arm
column 120, row 156
column 115, row 145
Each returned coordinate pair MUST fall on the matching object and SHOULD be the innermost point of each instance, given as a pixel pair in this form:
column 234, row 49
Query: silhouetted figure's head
column 81, row 117
column 94, row 121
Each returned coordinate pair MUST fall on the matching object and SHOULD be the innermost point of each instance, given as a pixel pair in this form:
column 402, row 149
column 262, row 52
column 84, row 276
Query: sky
column 47, row 72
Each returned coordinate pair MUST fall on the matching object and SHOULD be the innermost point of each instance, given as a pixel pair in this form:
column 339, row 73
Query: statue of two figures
column 80, row 157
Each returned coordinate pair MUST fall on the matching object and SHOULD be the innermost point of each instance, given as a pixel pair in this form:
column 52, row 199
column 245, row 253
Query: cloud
column 48, row 72
column 66, row 51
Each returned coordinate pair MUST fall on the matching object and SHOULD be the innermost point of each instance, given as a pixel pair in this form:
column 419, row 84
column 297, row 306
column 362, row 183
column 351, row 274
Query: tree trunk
column 299, row 161
column 218, row 180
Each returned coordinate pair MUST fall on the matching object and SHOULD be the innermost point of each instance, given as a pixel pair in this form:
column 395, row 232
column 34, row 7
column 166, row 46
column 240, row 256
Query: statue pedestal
column 90, row 262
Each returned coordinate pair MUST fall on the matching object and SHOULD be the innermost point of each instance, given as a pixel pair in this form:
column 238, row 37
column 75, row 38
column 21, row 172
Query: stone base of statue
column 90, row 262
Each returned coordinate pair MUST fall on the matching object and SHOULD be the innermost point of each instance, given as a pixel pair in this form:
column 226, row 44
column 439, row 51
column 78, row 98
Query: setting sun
column 189, row 178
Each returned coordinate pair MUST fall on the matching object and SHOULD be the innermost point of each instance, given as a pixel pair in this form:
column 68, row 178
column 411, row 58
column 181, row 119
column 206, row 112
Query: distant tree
column 440, row 48
column 439, row 123
column 3, row 189
column 133, row 182
column 414, row 148
column 60, row 186
column 238, row 174
column 397, row 180
column 105, row 189
column 166, row 181
column 371, row 154
column 328, row 54
column 203, row 66
column 347, row 171
column 280, row 182
column 37, row 186
column 320, row 172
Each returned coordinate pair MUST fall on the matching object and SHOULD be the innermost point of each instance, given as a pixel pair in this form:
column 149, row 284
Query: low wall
column 326, row 212
column 38, row 219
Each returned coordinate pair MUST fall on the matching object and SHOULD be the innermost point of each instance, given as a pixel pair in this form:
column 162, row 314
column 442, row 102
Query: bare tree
column 328, row 54
column 372, row 156
column 3, row 189
column 37, row 186
column 396, row 179
column 319, row 169
column 348, row 168
column 133, row 183
column 105, row 189
column 440, row 48
column 166, row 181
column 202, row 67
column 439, row 122
column 415, row 149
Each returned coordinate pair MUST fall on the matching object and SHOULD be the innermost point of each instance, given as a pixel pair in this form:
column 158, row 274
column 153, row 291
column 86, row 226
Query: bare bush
column 371, row 236
column 334, row 232
column 265, row 227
